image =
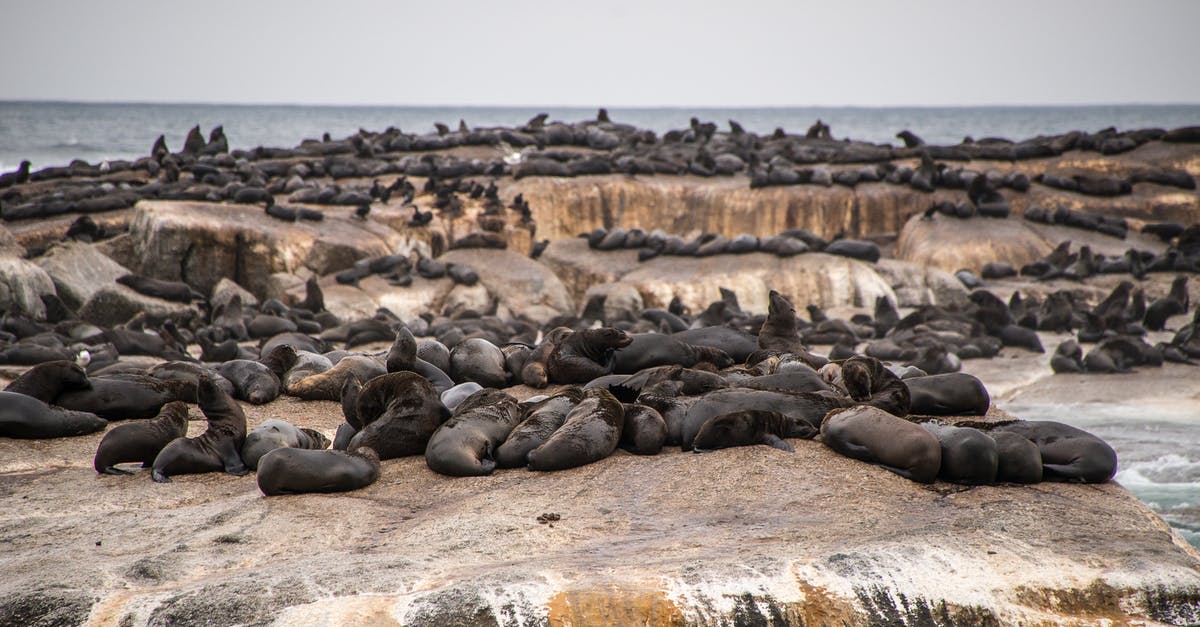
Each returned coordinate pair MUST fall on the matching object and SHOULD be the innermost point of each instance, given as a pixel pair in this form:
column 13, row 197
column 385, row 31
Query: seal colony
column 638, row 378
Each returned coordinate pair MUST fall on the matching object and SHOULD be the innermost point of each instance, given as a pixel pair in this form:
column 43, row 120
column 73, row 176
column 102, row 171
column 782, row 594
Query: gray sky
column 615, row 53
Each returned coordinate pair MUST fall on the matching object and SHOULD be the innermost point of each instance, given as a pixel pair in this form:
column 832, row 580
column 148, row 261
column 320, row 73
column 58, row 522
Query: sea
column 1159, row 454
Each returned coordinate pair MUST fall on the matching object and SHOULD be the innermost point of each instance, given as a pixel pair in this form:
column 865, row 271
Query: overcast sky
column 615, row 53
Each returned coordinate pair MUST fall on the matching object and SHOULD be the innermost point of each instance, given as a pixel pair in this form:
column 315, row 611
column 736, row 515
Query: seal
column 868, row 381
column 397, row 413
column 47, row 380
column 306, row 364
column 950, row 394
column 780, row 332
column 327, row 386
column 214, row 450
column 743, row 428
column 140, row 441
column 969, row 456
column 476, row 359
column 123, row 397
column 253, row 381
column 540, row 421
column 297, row 471
column 647, row 350
column 685, row 416
column 584, row 355
column 1019, row 461
column 275, row 433
column 874, row 436
column 590, row 433
column 1068, row 454
column 166, row 290
column 452, row 397
column 534, row 373
column 644, row 432
column 463, row 445
column 188, row 375
column 26, row 417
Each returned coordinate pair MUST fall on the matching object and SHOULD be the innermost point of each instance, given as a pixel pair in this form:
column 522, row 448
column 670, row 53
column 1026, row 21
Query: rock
column 524, row 286
column 917, row 285
column 9, row 244
column 462, row 297
column 348, row 302
column 200, row 243
column 119, row 249
column 622, row 301
column 225, row 290
column 825, row 280
column 114, row 304
column 79, row 270
column 22, row 284
column 280, row 284
column 580, row 267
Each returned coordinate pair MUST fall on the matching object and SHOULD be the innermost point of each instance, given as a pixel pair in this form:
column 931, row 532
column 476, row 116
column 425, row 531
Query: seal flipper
column 345, row 433
column 158, row 476
column 231, row 458
column 770, row 439
column 113, row 470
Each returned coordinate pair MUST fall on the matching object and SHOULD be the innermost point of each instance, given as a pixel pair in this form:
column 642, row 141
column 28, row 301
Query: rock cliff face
column 749, row 535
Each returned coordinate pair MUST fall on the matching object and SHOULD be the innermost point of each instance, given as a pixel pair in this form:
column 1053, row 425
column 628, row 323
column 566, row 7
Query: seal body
column 590, row 433
column 296, row 471
column 969, row 456
column 26, row 417
column 1068, row 453
column 644, row 432
column 217, row 449
column 539, row 423
column 140, row 441
column 253, row 381
column 122, row 397
column 47, row 380
column 1019, row 460
column 581, row 356
column 685, row 416
column 464, row 445
column 874, row 436
column 743, row 428
column 397, row 413
column 327, row 386
column 949, row 394
column 275, row 433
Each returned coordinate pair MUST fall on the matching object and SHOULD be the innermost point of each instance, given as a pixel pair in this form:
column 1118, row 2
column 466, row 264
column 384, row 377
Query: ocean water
column 1158, row 451
column 54, row 133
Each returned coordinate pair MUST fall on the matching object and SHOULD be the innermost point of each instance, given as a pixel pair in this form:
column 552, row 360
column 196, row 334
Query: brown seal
column 141, row 441
column 874, row 436
column 780, row 332
column 540, row 421
column 590, row 433
column 584, row 355
column 275, row 433
column 296, row 470
column 47, row 380
column 218, row 448
column 327, row 386
column 464, row 445
column 29, row 418
column 396, row 413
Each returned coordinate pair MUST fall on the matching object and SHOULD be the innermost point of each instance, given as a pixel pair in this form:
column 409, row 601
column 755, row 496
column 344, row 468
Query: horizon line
column 594, row 106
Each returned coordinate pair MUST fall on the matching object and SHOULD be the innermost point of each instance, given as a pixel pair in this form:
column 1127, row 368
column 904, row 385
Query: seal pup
column 540, row 421
column 26, row 417
column 581, row 356
column 217, row 449
column 297, row 471
column 275, row 433
column 644, row 432
column 949, row 394
column 167, row 290
column 1019, row 460
column 396, row 413
column 590, row 433
column 476, row 359
column 1068, row 454
column 47, row 380
column 874, row 436
column 140, row 441
column 463, row 446
column 743, row 428
column 969, row 456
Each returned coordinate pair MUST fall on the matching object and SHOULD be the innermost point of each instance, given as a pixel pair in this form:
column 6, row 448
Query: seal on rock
column 1068, row 454
column 743, row 428
column 644, row 432
column 584, row 355
column 969, row 456
column 123, row 397
column 590, row 433
column 780, row 332
column 275, row 433
column 463, row 446
column 217, row 449
column 874, row 436
column 1019, row 460
column 140, row 441
column 950, row 394
column 47, row 380
column 540, row 421
column 297, row 471
column 327, row 386
column 26, row 417
column 397, row 413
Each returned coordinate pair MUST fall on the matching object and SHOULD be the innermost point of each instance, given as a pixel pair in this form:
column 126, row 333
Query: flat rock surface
column 753, row 531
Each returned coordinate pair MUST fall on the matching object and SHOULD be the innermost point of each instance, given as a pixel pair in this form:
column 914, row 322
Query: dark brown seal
column 217, row 449
column 874, row 436
column 141, row 441
column 590, row 433
column 397, row 413
column 47, row 380
column 296, row 470
column 464, row 445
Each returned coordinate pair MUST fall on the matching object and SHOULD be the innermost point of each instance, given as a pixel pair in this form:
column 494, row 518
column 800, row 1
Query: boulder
column 467, row 297
column 917, row 285
column 621, row 300
column 524, row 286
column 826, row 280
column 580, row 267
column 225, row 290
column 200, row 243
column 79, row 270
column 348, row 302
column 22, row 284
column 115, row 304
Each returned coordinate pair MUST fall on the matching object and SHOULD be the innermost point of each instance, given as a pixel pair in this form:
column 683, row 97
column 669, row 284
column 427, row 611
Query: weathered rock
column 917, row 285
column 9, row 244
column 225, row 290
column 524, row 286
column 467, row 297
column 114, row 304
column 21, row 286
column 621, row 300
column 349, row 302
column 280, row 284
column 200, row 243
column 79, row 270
column 580, row 267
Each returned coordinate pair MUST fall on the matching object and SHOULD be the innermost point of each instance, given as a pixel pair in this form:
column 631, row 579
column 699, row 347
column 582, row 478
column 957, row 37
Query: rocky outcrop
column 114, row 304
column 22, row 284
column 951, row 244
column 917, row 285
column 749, row 535
column 79, row 270
column 826, row 280
column 522, row 285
